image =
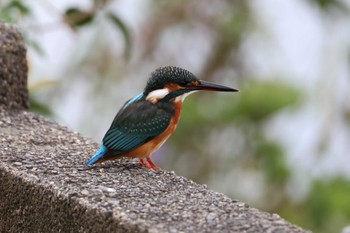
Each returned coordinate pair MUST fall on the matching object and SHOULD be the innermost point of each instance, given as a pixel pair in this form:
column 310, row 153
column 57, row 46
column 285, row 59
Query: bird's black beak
column 208, row 86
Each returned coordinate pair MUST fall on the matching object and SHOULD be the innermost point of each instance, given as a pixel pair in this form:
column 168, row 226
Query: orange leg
column 149, row 164
column 152, row 165
column 142, row 162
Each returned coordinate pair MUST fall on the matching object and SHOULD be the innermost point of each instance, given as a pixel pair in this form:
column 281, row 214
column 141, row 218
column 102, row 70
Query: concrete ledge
column 46, row 187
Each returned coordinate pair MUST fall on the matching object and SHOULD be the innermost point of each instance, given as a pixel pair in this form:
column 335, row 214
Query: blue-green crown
column 168, row 75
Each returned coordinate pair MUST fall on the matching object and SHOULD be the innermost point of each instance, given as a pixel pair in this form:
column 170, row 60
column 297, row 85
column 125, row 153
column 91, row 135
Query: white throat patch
column 183, row 96
column 155, row 96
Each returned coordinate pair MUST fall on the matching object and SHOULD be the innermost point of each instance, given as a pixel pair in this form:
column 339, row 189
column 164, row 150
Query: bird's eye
column 193, row 83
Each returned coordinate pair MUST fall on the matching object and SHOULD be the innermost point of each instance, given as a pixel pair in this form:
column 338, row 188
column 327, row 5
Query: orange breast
column 148, row 148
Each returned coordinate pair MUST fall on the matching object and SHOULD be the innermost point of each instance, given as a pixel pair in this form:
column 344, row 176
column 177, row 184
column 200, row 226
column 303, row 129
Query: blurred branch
column 126, row 34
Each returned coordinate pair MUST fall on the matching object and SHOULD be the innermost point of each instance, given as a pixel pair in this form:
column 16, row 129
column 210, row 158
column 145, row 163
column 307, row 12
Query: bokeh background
column 282, row 144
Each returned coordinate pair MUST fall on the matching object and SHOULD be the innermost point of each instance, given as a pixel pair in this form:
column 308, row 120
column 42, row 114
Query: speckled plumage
column 130, row 130
column 164, row 75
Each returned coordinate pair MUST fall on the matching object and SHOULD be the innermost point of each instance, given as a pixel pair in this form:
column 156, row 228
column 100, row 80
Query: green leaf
column 33, row 44
column 14, row 10
column 125, row 31
column 18, row 5
column 326, row 5
column 75, row 17
column 38, row 107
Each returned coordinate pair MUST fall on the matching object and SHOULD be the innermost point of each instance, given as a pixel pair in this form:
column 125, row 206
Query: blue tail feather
column 99, row 154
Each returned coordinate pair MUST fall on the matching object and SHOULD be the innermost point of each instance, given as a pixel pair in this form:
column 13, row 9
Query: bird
column 146, row 121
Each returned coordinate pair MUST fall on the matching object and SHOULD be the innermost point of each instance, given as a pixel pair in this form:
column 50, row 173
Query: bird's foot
column 153, row 166
column 149, row 164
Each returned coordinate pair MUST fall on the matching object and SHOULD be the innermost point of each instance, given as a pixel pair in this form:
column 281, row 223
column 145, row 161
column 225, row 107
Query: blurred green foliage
column 35, row 103
column 327, row 5
column 260, row 100
column 326, row 207
column 38, row 107
column 329, row 204
column 75, row 17
column 12, row 11
column 272, row 162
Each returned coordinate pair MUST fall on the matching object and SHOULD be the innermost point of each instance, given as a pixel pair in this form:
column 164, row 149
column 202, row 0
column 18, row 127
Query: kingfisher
column 146, row 121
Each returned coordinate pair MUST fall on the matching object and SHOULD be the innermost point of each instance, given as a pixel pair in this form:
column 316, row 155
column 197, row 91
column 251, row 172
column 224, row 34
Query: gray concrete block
column 46, row 187
column 13, row 68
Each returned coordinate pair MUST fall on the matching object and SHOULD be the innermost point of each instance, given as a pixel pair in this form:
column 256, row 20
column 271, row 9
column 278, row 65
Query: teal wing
column 135, row 125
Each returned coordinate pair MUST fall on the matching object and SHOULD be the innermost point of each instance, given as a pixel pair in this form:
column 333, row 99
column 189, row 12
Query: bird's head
column 168, row 83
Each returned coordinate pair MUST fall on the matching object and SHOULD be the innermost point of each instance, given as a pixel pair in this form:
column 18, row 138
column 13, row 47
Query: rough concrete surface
column 13, row 68
column 46, row 187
